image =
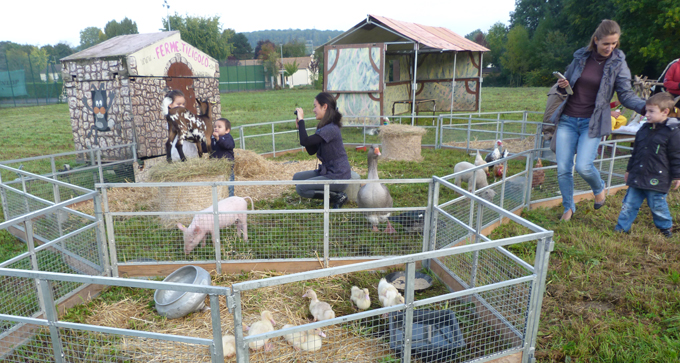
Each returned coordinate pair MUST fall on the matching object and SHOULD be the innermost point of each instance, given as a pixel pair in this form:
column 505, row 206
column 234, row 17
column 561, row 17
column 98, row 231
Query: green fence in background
column 24, row 82
column 242, row 78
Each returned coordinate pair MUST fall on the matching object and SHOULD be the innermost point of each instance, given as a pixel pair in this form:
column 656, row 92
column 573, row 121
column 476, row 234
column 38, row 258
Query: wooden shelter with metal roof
column 383, row 67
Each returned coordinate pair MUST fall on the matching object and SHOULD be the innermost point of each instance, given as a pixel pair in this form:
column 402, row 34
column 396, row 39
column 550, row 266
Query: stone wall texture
column 135, row 111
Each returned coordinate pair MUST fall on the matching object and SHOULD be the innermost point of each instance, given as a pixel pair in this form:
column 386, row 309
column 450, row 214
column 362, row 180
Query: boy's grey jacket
column 616, row 78
column 656, row 156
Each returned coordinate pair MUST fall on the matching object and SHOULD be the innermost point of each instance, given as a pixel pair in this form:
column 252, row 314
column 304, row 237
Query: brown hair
column 663, row 100
column 227, row 124
column 606, row 28
column 174, row 94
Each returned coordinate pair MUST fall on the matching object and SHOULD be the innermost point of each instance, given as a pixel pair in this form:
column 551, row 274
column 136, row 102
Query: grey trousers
column 307, row 191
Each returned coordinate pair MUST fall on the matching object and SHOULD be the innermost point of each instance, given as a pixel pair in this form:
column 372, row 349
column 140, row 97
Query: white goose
column 375, row 195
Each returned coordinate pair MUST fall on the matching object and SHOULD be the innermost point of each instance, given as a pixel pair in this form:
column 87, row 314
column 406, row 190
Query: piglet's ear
column 181, row 227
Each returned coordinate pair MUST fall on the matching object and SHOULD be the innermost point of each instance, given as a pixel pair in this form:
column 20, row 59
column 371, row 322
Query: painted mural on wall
column 354, row 69
column 101, row 103
column 357, row 104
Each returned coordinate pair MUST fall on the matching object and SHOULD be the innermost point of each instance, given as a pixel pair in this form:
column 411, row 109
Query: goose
column 319, row 309
column 307, row 340
column 375, row 195
column 265, row 325
column 361, row 298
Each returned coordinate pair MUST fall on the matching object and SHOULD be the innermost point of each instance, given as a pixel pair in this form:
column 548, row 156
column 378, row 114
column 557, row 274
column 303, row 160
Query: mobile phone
column 559, row 75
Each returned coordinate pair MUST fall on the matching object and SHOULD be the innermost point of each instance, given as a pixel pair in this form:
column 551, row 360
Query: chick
column 260, row 327
column 388, row 294
column 307, row 340
column 361, row 298
column 319, row 309
column 229, row 343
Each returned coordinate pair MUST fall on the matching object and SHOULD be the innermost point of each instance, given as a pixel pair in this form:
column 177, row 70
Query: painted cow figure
column 203, row 224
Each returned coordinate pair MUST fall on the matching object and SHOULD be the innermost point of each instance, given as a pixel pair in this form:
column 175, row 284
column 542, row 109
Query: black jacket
column 223, row 148
column 655, row 162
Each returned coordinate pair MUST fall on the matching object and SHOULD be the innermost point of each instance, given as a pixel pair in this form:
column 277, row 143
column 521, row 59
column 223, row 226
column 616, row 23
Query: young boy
column 654, row 165
column 223, row 145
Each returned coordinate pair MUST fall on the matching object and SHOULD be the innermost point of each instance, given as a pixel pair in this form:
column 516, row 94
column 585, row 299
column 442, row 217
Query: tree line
column 544, row 34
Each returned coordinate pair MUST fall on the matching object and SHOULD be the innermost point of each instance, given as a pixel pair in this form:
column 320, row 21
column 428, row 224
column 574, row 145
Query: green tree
column 270, row 60
column 59, row 50
column 205, row 34
column 651, row 33
column 39, row 58
column 496, row 39
column 295, row 48
column 114, row 28
column 290, row 68
column 242, row 49
column 91, row 36
column 515, row 59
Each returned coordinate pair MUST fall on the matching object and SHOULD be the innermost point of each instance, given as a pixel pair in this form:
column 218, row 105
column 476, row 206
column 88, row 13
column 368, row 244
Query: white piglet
column 203, row 224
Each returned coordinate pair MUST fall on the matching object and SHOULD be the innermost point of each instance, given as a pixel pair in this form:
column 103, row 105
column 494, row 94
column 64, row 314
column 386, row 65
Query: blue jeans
column 631, row 206
column 231, row 178
column 572, row 139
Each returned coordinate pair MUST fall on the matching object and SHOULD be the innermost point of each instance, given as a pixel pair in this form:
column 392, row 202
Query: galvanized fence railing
column 78, row 168
column 45, row 337
column 289, row 234
column 495, row 302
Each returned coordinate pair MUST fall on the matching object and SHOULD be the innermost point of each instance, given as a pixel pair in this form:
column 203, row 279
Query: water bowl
column 176, row 304
column 398, row 280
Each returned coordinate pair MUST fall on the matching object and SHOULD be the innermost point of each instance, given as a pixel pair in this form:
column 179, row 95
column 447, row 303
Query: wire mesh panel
column 25, row 343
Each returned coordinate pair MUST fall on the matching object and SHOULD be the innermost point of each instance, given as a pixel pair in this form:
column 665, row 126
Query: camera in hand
column 295, row 112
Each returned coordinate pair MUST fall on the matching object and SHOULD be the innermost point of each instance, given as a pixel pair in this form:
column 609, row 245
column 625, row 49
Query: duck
column 309, row 340
column 413, row 221
column 375, row 195
column 361, row 298
column 229, row 343
column 479, row 161
column 495, row 154
column 265, row 325
column 388, row 294
column 319, row 309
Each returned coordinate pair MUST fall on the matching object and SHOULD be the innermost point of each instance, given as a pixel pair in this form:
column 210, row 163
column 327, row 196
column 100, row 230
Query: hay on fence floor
column 401, row 142
column 284, row 301
column 513, row 145
column 190, row 169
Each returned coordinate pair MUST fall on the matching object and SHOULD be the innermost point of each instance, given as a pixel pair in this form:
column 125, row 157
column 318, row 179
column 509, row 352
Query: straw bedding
column 401, row 142
column 285, row 302
column 513, row 145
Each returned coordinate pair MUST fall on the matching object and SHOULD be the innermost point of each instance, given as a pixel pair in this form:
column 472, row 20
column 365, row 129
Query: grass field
column 609, row 298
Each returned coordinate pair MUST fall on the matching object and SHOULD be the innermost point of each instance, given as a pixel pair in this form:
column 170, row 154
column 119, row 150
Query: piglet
column 204, row 223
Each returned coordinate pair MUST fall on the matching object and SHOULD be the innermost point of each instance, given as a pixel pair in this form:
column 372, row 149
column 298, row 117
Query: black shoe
column 600, row 205
column 338, row 199
column 318, row 194
column 667, row 233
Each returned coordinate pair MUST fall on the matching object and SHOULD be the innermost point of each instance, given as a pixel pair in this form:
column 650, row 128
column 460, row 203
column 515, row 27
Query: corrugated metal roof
column 379, row 29
column 431, row 36
column 120, row 45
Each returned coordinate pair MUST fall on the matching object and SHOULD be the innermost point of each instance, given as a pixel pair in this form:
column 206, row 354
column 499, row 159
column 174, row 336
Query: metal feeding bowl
column 398, row 280
column 176, row 304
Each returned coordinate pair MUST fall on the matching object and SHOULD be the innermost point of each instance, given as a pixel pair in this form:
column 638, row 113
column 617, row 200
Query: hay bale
column 186, row 198
column 249, row 164
column 401, row 142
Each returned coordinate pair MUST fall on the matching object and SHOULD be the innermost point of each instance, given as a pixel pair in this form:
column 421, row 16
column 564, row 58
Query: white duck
column 361, row 298
column 479, row 161
column 307, row 340
column 229, row 343
column 319, row 309
column 375, row 195
column 260, row 327
column 388, row 294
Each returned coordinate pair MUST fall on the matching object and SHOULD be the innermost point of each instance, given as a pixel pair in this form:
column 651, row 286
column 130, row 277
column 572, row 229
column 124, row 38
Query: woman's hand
column 300, row 116
column 563, row 83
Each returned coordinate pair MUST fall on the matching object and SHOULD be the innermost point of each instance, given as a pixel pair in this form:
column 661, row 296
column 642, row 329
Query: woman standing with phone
column 583, row 118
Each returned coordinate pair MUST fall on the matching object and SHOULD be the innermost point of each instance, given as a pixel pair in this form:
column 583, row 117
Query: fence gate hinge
column 230, row 304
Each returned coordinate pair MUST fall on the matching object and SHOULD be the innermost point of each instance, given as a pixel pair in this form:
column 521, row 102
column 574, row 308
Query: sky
column 53, row 22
